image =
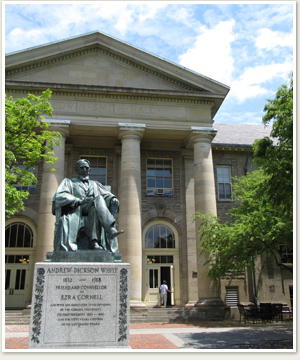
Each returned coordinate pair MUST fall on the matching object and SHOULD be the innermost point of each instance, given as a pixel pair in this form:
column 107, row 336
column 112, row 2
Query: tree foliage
column 262, row 219
column 277, row 159
column 27, row 142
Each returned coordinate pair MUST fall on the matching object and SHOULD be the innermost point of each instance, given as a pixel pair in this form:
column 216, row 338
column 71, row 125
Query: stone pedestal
column 80, row 305
column 93, row 256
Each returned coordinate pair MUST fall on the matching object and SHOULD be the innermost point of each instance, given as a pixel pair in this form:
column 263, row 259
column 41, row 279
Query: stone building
column 147, row 127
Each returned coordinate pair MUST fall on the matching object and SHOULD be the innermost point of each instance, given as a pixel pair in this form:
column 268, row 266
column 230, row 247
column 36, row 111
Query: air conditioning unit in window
column 159, row 191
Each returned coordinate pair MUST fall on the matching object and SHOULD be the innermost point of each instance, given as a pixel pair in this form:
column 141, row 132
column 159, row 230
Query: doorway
column 155, row 275
column 16, row 286
column 166, row 274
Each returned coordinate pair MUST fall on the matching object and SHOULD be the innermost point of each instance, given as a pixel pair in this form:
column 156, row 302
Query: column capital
column 200, row 134
column 61, row 126
column 132, row 131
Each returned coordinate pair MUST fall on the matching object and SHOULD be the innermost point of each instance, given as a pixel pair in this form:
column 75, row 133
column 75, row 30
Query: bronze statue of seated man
column 84, row 204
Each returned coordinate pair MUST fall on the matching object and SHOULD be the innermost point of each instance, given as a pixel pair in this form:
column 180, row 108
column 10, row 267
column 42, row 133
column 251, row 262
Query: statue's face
column 83, row 169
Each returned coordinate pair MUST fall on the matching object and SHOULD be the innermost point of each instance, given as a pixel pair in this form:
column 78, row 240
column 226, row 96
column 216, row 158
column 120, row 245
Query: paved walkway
column 158, row 336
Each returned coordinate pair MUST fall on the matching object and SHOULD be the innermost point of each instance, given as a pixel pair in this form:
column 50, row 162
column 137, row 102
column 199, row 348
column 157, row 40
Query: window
column 224, row 182
column 286, row 254
column 18, row 235
column 160, row 259
column 160, row 237
column 232, row 296
column 20, row 279
column 31, row 188
column 153, row 279
column 97, row 168
column 159, row 177
column 16, row 259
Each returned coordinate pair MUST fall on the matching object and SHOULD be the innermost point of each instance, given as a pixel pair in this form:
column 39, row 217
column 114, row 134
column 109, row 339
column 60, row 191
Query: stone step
column 17, row 317
column 174, row 315
column 166, row 315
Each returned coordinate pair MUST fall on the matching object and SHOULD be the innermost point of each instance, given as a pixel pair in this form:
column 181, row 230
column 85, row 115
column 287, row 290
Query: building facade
column 146, row 126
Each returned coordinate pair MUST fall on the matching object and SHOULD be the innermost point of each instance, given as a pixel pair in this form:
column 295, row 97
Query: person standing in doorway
column 163, row 293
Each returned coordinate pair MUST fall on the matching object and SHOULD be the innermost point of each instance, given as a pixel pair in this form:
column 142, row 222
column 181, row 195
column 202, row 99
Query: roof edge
column 126, row 49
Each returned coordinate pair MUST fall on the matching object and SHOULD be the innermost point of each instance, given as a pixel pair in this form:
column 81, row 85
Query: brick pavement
column 17, row 337
column 156, row 336
column 153, row 341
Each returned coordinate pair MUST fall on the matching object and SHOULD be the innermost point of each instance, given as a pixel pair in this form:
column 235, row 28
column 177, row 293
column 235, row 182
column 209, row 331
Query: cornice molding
column 94, row 50
column 231, row 147
column 92, row 95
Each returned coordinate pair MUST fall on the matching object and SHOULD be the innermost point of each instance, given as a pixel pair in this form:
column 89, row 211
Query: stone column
column 50, row 182
column 130, row 243
column 205, row 202
column 191, row 281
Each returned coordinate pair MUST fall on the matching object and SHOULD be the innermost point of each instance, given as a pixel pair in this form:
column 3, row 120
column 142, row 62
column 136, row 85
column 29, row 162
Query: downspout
column 254, row 282
column 246, row 163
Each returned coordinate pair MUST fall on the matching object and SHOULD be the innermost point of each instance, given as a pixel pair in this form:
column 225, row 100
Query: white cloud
column 148, row 12
column 250, row 83
column 211, row 53
column 18, row 37
column 268, row 39
column 125, row 21
column 236, row 117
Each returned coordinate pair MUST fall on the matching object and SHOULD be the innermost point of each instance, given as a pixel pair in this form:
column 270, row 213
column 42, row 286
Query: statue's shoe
column 113, row 233
column 96, row 246
column 73, row 247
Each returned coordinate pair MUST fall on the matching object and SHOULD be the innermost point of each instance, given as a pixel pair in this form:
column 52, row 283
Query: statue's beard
column 84, row 177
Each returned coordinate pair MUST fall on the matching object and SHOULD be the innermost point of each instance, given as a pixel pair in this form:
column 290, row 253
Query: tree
column 277, row 158
column 262, row 220
column 27, row 142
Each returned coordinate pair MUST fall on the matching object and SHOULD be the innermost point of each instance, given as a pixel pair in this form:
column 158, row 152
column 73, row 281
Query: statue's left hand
column 114, row 202
column 114, row 206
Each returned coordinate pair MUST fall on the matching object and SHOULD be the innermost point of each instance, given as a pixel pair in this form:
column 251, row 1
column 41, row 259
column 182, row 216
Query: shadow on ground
column 269, row 337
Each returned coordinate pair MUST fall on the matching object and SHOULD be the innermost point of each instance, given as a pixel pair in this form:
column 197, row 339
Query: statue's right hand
column 82, row 201
column 85, row 200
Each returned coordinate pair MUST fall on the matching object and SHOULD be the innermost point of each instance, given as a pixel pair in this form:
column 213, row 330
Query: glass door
column 15, row 286
column 152, row 283
column 154, row 277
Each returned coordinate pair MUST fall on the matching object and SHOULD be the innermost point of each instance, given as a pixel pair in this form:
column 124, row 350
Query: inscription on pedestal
column 82, row 305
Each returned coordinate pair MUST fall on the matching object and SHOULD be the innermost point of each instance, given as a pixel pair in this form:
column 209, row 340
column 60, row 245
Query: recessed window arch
column 18, row 234
column 160, row 236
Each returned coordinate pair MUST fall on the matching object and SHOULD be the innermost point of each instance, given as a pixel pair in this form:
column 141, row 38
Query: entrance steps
column 17, row 317
column 170, row 315
column 137, row 315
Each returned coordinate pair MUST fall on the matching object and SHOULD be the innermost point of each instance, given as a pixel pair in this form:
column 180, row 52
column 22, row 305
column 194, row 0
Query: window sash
column 18, row 235
column 160, row 237
column 160, row 259
column 153, row 279
column 159, row 176
column 224, row 183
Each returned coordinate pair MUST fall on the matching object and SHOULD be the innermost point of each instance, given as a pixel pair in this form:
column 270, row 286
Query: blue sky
column 248, row 46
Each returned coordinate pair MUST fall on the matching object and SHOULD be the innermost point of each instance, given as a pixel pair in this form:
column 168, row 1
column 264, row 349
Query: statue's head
column 82, row 167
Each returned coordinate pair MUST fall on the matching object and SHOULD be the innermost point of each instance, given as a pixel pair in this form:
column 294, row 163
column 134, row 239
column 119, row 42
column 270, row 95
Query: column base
column 190, row 304
column 211, row 309
column 137, row 304
column 211, row 301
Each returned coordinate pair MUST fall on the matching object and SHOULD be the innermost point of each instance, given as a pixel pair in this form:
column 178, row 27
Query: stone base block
column 84, row 256
column 211, row 309
column 80, row 305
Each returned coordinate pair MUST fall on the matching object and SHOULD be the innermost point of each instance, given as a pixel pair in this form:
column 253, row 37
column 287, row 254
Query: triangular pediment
column 99, row 60
column 98, row 67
